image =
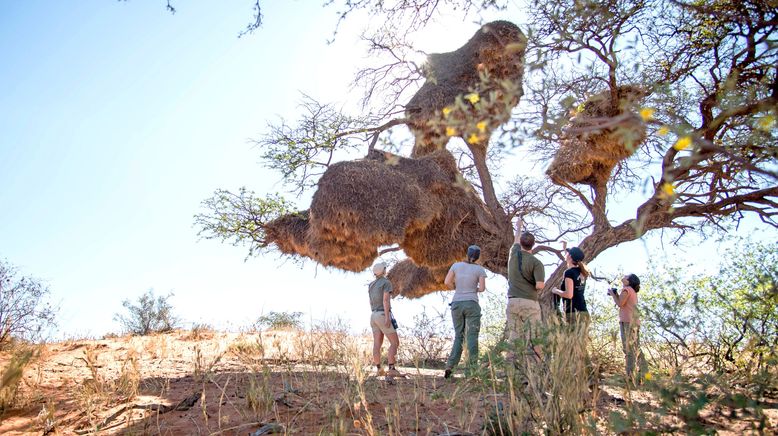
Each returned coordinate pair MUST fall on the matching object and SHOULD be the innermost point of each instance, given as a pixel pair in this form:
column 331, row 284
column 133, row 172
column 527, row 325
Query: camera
column 612, row 290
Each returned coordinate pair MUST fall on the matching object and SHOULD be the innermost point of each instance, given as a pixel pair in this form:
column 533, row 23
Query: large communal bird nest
column 604, row 132
column 422, row 203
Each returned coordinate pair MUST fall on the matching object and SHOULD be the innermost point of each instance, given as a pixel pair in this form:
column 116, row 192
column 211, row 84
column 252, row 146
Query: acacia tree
column 703, row 83
column 25, row 312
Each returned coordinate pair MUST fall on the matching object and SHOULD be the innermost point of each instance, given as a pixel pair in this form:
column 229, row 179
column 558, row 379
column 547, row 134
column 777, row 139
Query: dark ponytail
column 634, row 282
column 473, row 253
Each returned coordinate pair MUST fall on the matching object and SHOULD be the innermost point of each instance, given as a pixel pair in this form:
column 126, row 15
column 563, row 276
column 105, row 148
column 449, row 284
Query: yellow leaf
column 450, row 131
column 473, row 139
column 446, row 111
column 579, row 108
column 668, row 189
column 682, row 143
column 647, row 113
column 649, row 376
column 473, row 98
column 481, row 126
column 766, row 122
column 664, row 130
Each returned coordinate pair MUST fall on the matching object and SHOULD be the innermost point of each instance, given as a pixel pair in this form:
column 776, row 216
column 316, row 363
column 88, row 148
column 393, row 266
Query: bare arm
column 481, row 284
column 568, row 292
column 540, row 285
column 519, row 225
column 623, row 298
column 615, row 296
column 450, row 279
column 388, row 308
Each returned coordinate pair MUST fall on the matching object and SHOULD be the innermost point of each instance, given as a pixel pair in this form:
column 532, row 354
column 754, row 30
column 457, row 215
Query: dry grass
column 319, row 382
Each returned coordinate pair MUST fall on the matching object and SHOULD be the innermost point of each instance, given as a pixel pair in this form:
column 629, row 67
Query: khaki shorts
column 378, row 323
column 523, row 319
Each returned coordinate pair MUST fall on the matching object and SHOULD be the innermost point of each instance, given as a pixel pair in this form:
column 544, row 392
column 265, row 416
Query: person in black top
column 573, row 288
column 576, row 314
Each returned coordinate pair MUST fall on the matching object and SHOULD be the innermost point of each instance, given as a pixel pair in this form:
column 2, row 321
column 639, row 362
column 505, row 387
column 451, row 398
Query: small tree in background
column 149, row 314
column 25, row 312
column 726, row 320
column 280, row 321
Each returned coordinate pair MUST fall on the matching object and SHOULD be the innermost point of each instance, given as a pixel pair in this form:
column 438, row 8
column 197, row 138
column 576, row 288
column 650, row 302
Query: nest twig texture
column 602, row 134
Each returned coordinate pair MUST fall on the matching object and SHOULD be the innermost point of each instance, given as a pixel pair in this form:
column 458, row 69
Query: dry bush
column 25, row 312
column 204, row 363
column 427, row 341
column 337, row 345
column 546, row 394
column 259, row 394
column 22, row 355
column 200, row 331
column 249, row 351
column 99, row 391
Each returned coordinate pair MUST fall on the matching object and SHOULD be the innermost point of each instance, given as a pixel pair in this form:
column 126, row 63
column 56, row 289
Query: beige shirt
column 628, row 301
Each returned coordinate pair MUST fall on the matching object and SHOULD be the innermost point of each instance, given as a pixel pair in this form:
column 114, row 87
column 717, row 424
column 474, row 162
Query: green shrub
column 149, row 314
column 280, row 321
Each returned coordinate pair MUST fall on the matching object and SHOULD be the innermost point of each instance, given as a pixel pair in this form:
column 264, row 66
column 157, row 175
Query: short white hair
column 379, row 268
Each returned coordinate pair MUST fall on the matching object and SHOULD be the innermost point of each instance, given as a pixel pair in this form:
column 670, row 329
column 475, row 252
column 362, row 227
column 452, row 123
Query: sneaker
column 391, row 372
column 447, row 373
column 380, row 372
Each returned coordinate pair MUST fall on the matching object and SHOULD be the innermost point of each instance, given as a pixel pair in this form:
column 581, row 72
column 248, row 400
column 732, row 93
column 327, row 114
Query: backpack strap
column 522, row 271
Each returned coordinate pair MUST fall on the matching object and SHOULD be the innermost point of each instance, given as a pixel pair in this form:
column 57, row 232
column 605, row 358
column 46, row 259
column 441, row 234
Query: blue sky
column 118, row 119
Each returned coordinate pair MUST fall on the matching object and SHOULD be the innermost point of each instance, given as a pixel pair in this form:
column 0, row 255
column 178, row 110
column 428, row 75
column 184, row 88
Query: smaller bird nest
column 599, row 136
column 413, row 281
column 488, row 69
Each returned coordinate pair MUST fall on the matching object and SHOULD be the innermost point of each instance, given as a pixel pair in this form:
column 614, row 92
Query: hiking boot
column 447, row 373
column 380, row 372
column 391, row 372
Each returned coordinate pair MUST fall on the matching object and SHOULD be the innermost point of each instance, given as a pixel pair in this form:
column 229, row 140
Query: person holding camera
column 573, row 288
column 381, row 321
column 468, row 278
column 629, row 325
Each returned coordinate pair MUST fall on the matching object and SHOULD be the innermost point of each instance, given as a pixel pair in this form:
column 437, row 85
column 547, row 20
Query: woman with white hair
column 468, row 278
column 380, row 292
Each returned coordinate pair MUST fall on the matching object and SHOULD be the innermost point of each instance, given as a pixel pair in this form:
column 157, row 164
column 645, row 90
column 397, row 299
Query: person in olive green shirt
column 380, row 293
column 526, row 276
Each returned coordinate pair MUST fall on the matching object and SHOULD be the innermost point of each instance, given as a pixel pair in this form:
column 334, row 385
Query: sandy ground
column 222, row 383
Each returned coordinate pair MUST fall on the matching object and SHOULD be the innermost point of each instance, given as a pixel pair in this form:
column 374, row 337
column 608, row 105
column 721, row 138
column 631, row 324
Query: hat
column 576, row 254
column 473, row 252
column 379, row 268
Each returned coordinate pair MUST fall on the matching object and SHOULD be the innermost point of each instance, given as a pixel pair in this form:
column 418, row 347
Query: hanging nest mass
column 421, row 204
column 604, row 132
column 414, row 281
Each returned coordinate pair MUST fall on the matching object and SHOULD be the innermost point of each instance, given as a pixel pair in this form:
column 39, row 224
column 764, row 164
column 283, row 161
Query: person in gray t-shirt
column 468, row 278
column 380, row 293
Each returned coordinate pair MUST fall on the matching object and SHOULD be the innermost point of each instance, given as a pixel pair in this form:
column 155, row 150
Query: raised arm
column 519, row 226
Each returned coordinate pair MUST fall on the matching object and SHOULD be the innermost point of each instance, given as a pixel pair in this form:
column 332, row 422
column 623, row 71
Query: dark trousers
column 467, row 320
